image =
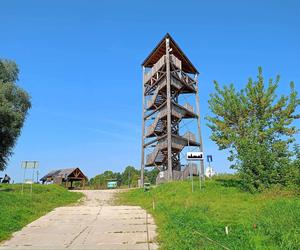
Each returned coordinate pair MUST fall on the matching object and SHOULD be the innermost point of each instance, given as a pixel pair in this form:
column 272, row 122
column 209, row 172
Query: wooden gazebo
column 66, row 176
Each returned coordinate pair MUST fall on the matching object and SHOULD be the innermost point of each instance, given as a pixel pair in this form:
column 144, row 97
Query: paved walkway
column 94, row 224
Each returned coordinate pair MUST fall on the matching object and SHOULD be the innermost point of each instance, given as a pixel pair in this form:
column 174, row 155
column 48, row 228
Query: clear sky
column 81, row 63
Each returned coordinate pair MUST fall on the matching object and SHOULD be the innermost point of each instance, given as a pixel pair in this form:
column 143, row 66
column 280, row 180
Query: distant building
column 66, row 176
column 209, row 172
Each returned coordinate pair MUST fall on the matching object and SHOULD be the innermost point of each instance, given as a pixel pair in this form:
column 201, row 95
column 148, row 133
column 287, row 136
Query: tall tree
column 150, row 175
column 257, row 129
column 130, row 176
column 14, row 106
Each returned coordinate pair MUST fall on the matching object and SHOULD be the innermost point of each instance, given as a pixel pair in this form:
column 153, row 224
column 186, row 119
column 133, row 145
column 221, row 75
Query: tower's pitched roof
column 160, row 50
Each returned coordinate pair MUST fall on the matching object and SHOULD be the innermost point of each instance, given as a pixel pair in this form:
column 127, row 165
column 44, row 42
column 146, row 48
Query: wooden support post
column 143, row 132
column 169, row 132
column 199, row 125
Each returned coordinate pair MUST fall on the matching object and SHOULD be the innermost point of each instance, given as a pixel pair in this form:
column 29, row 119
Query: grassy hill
column 17, row 209
column 186, row 220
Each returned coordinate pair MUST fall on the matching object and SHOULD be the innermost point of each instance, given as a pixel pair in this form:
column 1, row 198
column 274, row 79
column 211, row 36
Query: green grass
column 269, row 220
column 17, row 209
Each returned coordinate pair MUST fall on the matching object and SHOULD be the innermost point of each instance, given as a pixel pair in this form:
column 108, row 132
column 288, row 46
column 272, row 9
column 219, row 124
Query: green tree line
column 129, row 177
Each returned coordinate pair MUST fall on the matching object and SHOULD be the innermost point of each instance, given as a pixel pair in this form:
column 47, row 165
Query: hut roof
column 71, row 173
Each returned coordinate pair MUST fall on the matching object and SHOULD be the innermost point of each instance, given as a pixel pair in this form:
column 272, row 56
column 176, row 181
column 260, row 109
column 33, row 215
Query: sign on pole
column 194, row 156
column 29, row 165
column 209, row 158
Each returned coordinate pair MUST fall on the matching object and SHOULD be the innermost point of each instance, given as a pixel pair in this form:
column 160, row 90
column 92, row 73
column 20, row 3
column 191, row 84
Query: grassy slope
column 262, row 221
column 17, row 210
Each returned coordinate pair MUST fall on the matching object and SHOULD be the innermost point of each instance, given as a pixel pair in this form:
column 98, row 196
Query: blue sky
column 80, row 61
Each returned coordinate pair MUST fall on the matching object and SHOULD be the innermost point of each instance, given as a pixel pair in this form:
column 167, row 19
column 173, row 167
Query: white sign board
column 194, row 156
column 30, row 164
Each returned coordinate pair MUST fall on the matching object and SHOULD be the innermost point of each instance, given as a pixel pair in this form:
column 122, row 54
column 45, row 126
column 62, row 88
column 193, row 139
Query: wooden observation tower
column 169, row 76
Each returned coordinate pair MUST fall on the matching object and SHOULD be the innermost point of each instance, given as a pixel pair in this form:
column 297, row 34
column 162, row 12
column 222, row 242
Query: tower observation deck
column 168, row 77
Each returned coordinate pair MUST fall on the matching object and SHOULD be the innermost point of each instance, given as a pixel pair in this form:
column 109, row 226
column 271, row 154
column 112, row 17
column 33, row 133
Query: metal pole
column 143, row 132
column 191, row 176
column 200, row 184
column 199, row 126
column 190, row 165
column 24, row 178
column 37, row 176
column 169, row 121
column 32, row 180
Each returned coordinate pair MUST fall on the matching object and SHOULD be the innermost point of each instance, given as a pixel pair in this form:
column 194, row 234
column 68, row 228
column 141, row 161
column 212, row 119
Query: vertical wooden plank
column 199, row 124
column 169, row 135
column 143, row 131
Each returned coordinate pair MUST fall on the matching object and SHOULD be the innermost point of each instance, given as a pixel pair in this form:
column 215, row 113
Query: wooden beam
column 143, row 131
column 199, row 125
column 170, row 165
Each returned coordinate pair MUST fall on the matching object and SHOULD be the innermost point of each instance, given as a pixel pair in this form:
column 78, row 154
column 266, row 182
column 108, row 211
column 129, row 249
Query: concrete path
column 93, row 224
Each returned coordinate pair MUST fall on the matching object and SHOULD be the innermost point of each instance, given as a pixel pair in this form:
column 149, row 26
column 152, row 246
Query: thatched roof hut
column 65, row 175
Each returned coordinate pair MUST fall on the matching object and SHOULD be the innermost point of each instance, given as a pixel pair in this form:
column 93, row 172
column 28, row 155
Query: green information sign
column 112, row 184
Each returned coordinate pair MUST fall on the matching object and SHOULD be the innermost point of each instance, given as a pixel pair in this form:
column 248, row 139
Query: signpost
column 209, row 160
column 29, row 165
column 195, row 156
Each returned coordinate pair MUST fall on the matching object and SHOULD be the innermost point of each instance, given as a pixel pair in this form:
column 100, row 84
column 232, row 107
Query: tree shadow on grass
column 5, row 189
column 230, row 182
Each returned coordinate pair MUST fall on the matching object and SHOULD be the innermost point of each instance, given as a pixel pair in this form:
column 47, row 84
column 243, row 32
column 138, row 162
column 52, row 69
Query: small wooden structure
column 66, row 176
